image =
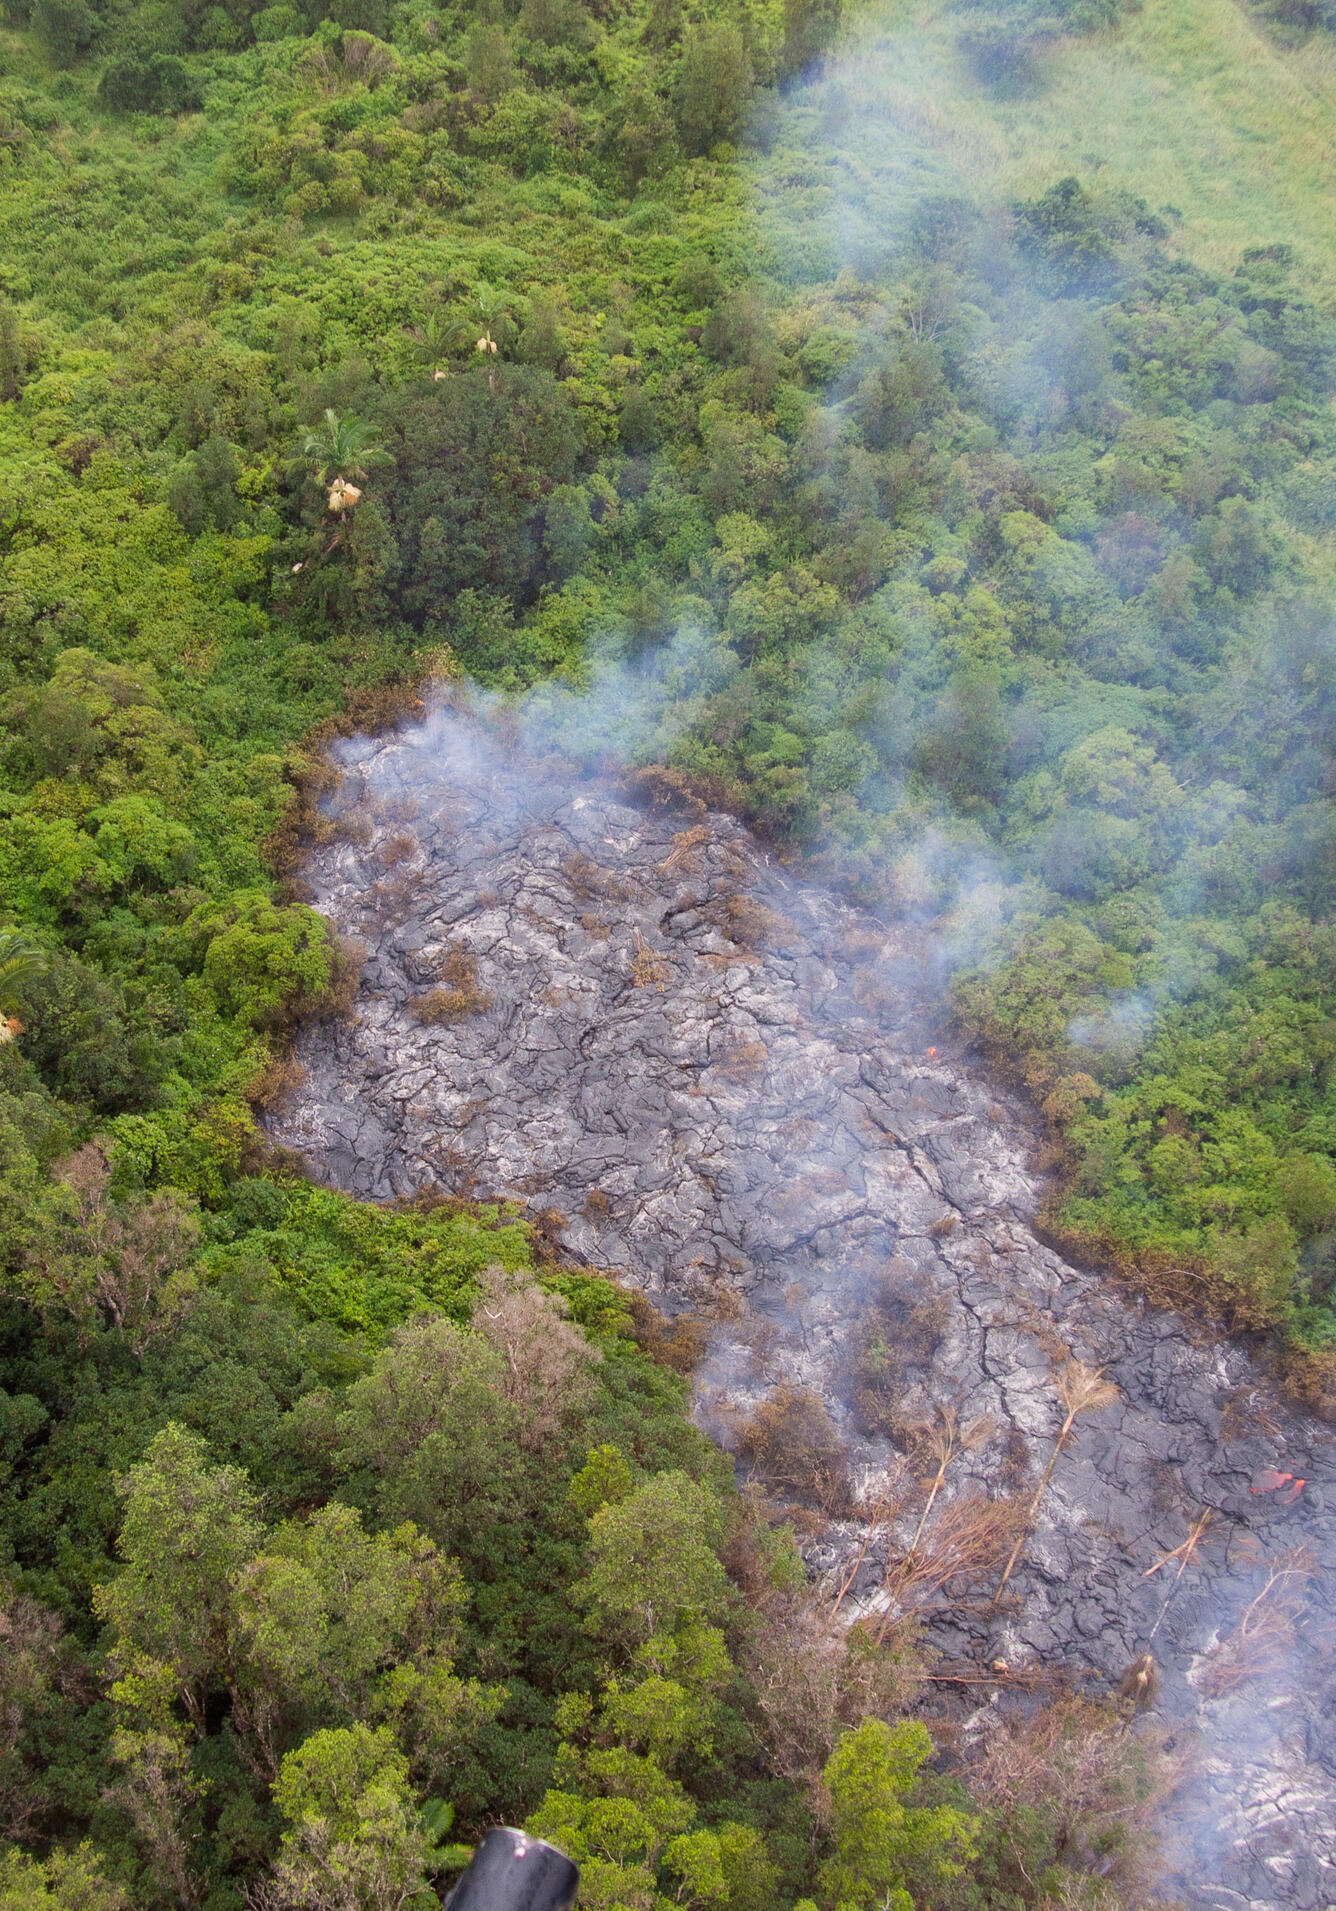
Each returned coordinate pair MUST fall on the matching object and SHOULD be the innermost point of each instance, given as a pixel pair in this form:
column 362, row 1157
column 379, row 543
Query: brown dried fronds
column 587, row 878
column 795, row 1668
column 1184, row 1552
column 895, row 1337
column 280, row 1077
column 858, row 938
column 750, row 925
column 799, row 1133
column 660, row 787
column 548, row 1226
column 1081, row 1389
column 743, row 1061
column 793, row 1446
column 721, row 960
column 680, row 1342
column 1015, row 1463
column 1195, row 1288
column 1310, row 1381
column 967, row 1538
column 1022, row 1313
column 795, row 1197
column 597, row 1205
column 387, row 900
column 458, row 995
column 433, row 1200
column 1139, row 1686
column 937, row 1443
column 885, row 1668
column 454, row 1170
column 711, row 1293
column 685, row 853
column 1267, row 1629
column 340, row 992
column 368, row 711
column 812, row 1678
column 396, row 849
column 877, row 1512
column 1166, row 1486
column 386, row 810
column 1245, row 1412
column 1095, row 1786
column 648, row 971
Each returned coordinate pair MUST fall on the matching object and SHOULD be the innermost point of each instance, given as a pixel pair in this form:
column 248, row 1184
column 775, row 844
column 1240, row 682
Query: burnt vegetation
column 457, row 995
column 791, row 1444
column 899, row 1329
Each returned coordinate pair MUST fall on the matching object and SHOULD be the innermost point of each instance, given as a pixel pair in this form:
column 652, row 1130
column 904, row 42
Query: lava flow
column 736, row 1091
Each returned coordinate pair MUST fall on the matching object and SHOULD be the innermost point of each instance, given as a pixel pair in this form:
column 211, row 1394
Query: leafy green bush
column 265, row 963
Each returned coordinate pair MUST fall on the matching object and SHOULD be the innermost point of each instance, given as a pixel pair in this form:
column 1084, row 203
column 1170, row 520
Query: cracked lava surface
column 721, row 1077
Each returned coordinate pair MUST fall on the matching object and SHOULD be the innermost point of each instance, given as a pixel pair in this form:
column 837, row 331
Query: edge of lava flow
column 728, row 1085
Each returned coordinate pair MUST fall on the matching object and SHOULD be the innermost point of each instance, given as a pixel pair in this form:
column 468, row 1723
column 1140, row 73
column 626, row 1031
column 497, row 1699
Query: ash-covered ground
column 729, row 1084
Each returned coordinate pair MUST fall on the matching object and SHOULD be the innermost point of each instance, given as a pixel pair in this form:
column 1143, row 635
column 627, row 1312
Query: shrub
column 202, row 489
column 66, row 28
column 149, row 83
column 714, row 86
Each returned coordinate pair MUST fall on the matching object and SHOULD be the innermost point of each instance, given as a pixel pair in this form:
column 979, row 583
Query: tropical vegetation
column 932, row 468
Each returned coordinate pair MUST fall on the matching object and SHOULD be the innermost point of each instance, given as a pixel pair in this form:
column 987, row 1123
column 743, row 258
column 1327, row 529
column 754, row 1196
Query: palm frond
column 21, row 963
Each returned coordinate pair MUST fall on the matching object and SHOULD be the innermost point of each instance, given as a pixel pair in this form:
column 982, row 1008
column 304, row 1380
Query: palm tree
column 21, row 962
column 489, row 325
column 340, row 446
column 1081, row 1389
column 431, row 342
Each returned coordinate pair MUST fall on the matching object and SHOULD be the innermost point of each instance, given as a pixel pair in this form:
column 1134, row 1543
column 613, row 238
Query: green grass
column 1191, row 103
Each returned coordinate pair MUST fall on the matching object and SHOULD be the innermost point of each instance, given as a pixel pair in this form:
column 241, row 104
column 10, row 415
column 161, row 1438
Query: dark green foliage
column 1004, row 40
column 811, row 28
column 66, row 28
column 476, row 457
column 202, row 489
column 18, row 351
column 1076, row 234
column 714, row 86
column 148, row 83
column 101, row 1044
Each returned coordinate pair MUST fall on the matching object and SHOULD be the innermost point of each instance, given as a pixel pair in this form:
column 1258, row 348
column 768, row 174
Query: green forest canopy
column 974, row 477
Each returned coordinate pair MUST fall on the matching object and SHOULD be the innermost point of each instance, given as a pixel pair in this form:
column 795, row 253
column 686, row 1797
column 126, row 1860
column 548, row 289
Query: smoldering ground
column 733, row 1089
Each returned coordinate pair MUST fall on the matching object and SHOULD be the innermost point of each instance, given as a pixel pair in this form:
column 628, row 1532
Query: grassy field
column 1190, row 104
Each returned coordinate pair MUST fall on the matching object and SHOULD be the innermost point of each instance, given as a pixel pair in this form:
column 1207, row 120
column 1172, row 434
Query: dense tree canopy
column 477, row 455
